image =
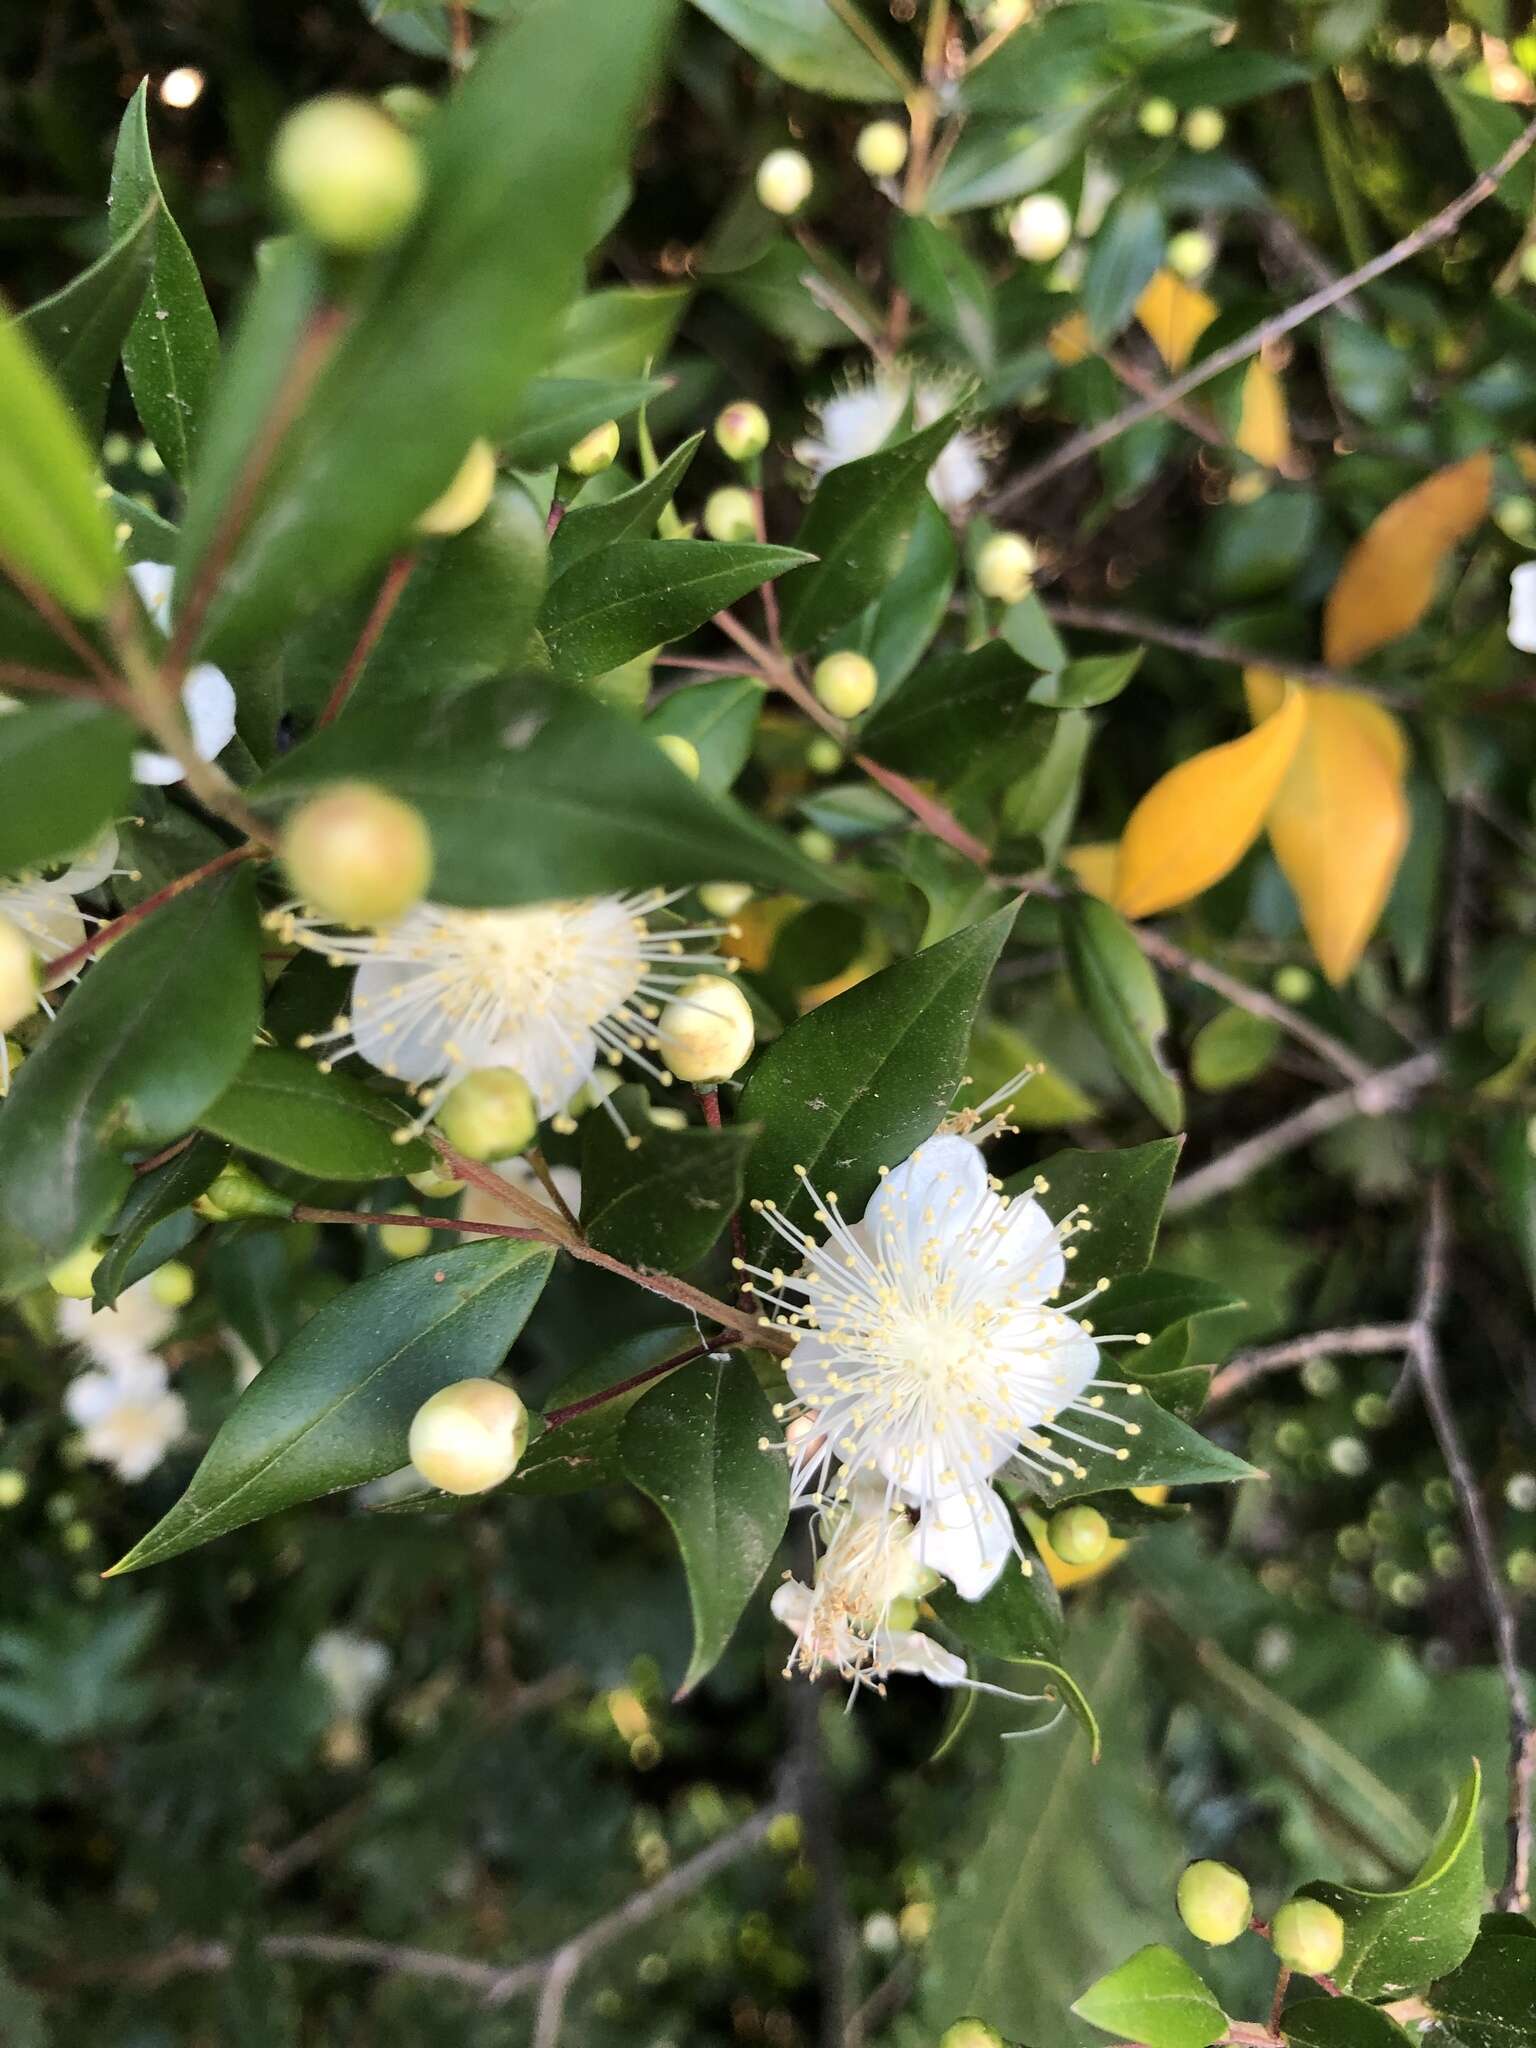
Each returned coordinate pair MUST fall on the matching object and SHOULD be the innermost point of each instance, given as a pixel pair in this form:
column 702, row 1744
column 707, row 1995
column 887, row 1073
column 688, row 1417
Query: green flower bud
column 1157, row 117
column 19, row 975
column 971, row 2034
column 724, row 899
column 1191, row 253
column 1308, row 1936
column 13, row 1487
column 1005, row 567
column 594, row 451
column 237, row 1192
column 1215, row 1903
column 347, row 173
column 408, row 106
column 882, row 148
column 1079, row 1534
column 468, row 1437
column 682, row 753
column 1294, row 984
column 742, row 430
column 823, row 756
column 1204, row 128
column 784, row 181
column 466, row 497
column 173, row 1284
column 1515, row 518
column 435, row 1184
column 706, row 1031
column 846, row 684
column 74, row 1277
column 729, row 514
column 404, row 1240
column 491, row 1114
column 817, row 845
column 358, row 855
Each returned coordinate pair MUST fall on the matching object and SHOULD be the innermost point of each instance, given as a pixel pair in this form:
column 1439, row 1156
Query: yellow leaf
column 1195, row 825
column 1094, row 865
column 1388, row 580
column 1264, row 428
column 1175, row 314
column 1070, row 340
column 1339, row 824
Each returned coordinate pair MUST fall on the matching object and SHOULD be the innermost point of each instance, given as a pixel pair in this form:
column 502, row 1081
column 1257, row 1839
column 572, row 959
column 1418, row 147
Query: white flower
column 44, row 909
column 545, row 990
column 134, row 1326
column 352, row 1668
column 127, row 1414
column 1522, row 608
column 863, row 416
column 207, row 696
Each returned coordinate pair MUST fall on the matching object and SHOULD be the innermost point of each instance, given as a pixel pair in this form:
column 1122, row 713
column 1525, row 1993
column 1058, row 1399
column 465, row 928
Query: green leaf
column 280, row 1106
column 632, row 515
column 1150, row 1301
column 152, row 1200
column 944, row 281
column 694, row 1445
column 1120, row 994
column 1339, row 2023
column 1122, row 1192
column 1125, row 252
column 79, row 330
column 860, row 1081
column 618, row 333
column 858, row 527
column 1155, row 1998
column 1394, row 1941
column 959, row 714
column 64, row 773
column 999, row 160
column 1232, row 1048
column 554, row 412
column 809, row 43
column 52, row 527
column 585, row 1451
column 639, row 594
column 171, row 351
column 719, row 719
column 1142, row 1445
column 1489, row 2001
column 1095, row 680
column 1019, row 1617
column 533, row 790
column 1487, row 127
column 661, row 1205
column 334, row 1408
column 896, row 629
column 112, row 1073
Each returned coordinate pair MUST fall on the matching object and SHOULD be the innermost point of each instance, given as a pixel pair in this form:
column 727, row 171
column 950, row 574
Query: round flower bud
column 404, row 1240
column 1191, row 253
column 845, row 684
column 1515, row 518
column 348, row 173
column 724, row 899
column 1040, row 227
column 1204, row 128
column 236, row 1191
column 1294, row 984
column 18, row 975
column 1005, row 567
column 1308, row 1936
column 784, row 181
column 595, row 451
column 358, row 854
column 1157, row 117
column 13, row 1487
column 466, row 497
column 469, row 1437
column 1078, row 1535
column 817, row 845
column 729, row 514
column 823, row 756
column 1528, row 263
column 1215, row 1903
column 408, row 105
column 971, row 2034
column 489, row 1115
column 742, row 430
column 882, row 148
column 173, row 1284
column 682, row 753
column 435, row 1184
column 706, row 1030
column 74, row 1277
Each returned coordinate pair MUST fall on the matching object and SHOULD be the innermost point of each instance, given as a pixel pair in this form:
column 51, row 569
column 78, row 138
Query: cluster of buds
column 1216, row 1906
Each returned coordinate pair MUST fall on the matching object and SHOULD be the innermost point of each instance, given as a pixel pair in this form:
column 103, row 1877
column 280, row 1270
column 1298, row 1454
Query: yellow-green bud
column 742, row 430
column 1528, row 263
column 1079, row 1534
column 74, row 1277
column 1157, row 117
column 348, row 173
column 1294, row 984
column 784, row 181
column 18, row 975
column 724, row 899
column 469, row 1437
column 408, row 105
column 1215, row 1903
column 404, row 1240
column 665, row 1118
column 1190, row 253
column 706, row 1030
column 823, row 756
column 491, row 1114
column 882, row 148
column 1040, row 227
column 435, row 1184
column 817, row 845
column 1515, row 517
column 358, row 855
column 1204, row 128
column 13, row 1487
column 729, row 514
column 173, row 1284
column 1308, row 1936
column 845, row 684
column 466, row 497
column 236, row 1191
column 682, row 753
column 76, row 1536
column 971, row 2034
column 595, row 451
column 1005, row 567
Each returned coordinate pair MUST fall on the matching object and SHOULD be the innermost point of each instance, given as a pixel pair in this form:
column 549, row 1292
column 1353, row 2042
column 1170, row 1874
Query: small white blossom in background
column 136, row 1325
column 44, row 910
column 127, row 1414
column 1522, row 608
column 476, row 1205
column 207, row 696
column 352, row 1668
column 860, row 419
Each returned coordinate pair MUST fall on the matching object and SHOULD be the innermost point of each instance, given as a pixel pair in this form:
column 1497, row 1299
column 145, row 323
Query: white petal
column 91, row 1398
column 154, row 582
column 1522, row 608
column 1028, row 1242
column 921, row 1657
column 208, row 699
column 155, row 769
column 791, row 1604
column 966, row 1537
column 90, row 866
column 47, row 914
column 411, row 1044
column 935, row 1191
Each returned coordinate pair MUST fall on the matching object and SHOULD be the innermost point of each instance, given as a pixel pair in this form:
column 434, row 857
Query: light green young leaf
column 1157, row 1999
column 52, row 527
column 1124, row 1003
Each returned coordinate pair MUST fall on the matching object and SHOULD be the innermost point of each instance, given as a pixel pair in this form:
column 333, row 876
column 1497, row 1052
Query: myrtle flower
column 545, row 990
column 133, row 1327
column 43, row 907
column 1522, row 608
column 933, row 1354
column 352, row 1668
column 207, row 696
column 859, row 419
column 127, row 1414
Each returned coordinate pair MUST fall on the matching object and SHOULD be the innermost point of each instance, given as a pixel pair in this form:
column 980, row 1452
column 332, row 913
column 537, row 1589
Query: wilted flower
column 207, row 696
column 127, row 1414
column 863, row 416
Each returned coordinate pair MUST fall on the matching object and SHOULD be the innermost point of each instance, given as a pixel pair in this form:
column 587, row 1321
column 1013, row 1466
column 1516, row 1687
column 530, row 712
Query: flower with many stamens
column 867, row 412
column 547, row 990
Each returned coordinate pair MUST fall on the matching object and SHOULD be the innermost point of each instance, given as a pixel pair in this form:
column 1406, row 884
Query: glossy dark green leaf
column 154, row 1198
column 585, row 1451
column 79, row 331
column 696, row 1446
column 619, row 333
column 858, row 527
column 1122, row 1193
column 334, row 1408
column 1140, row 1443
column 1096, row 679
column 1020, row 1616
column 639, row 594
column 896, row 629
column 1487, row 127
column 1489, row 2002
column 64, row 773
column 962, row 716
column 534, row 790
column 661, row 1204
column 111, row 1073
column 1000, row 160
column 1123, row 256
column 1155, row 1998
column 52, row 528
column 860, row 1081
column 171, row 352
column 1372, row 377
column 718, row 718
column 1148, row 1301
column 632, row 515
column 280, row 1106
column 945, row 281
column 554, row 412
column 809, row 44
column 1121, row 997
column 1339, row 2023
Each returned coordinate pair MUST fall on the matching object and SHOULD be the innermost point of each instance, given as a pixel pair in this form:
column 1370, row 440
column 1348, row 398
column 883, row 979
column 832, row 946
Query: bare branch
column 1206, row 647
column 1360, row 1340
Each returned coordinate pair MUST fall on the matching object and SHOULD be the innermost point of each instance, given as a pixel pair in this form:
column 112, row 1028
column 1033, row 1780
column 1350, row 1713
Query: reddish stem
column 396, row 576
column 303, row 1213
column 159, row 1158
column 770, row 595
column 16, row 676
column 63, row 967
column 556, row 1416
column 709, row 1102
column 63, row 627
column 935, row 817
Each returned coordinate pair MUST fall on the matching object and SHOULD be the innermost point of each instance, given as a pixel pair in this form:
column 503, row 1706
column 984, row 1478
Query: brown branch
column 556, row 1418
column 15, row 675
column 1206, row 647
column 63, row 627
column 62, row 967
column 1360, row 1340
column 305, row 1212
column 396, row 576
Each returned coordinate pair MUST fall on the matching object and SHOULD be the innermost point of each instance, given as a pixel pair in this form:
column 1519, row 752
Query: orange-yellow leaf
column 1264, row 427
column 1339, row 825
column 1094, row 865
column 1388, row 580
column 1175, row 314
column 1070, row 340
column 1195, row 825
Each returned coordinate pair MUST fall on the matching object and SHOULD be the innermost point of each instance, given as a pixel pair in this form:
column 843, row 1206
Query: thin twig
column 396, row 577
column 65, row 964
column 883, row 2003
column 1359, row 1340
column 546, row 1180
column 63, row 627
column 15, row 675
column 1206, row 647
column 556, row 1418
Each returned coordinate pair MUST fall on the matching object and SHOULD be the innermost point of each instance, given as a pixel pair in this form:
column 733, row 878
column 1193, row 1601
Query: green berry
column 846, row 684
column 1078, row 1535
column 347, row 173
column 1308, row 1936
column 468, row 1437
column 74, row 1277
column 729, row 514
column 173, row 1284
column 1204, row 128
column 882, row 148
column 1157, row 117
column 404, row 1240
column 971, row 2034
column 1215, row 1903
